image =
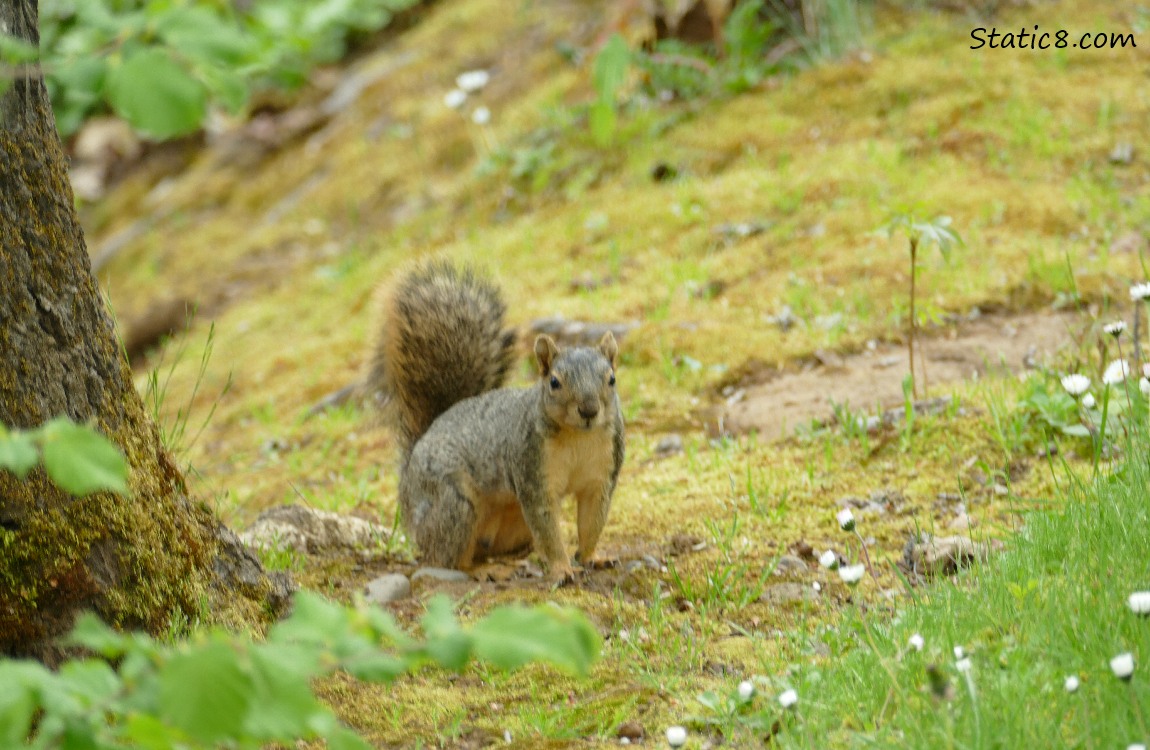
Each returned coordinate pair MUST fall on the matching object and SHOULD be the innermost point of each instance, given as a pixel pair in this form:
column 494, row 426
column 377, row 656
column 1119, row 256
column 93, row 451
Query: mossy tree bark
column 138, row 560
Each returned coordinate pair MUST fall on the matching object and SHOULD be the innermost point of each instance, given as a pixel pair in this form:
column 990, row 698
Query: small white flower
column 788, row 698
column 1122, row 666
column 829, row 559
column 1146, row 370
column 507, row 736
column 916, row 642
column 852, row 574
column 959, row 653
column 846, row 519
column 746, row 689
column 472, row 80
column 1116, row 328
column 676, row 736
column 1076, row 384
column 817, row 586
column 481, row 116
column 1139, row 602
column 455, row 98
column 1136, row 746
column 1088, row 401
column 1144, row 386
column 1140, row 291
column 1071, row 683
column 963, row 665
column 1116, row 372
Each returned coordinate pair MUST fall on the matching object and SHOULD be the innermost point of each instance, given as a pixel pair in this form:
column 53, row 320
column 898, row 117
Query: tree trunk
column 138, row 561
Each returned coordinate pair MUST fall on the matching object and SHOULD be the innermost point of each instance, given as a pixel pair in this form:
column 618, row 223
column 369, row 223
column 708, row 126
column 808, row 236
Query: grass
column 1013, row 147
column 1053, row 605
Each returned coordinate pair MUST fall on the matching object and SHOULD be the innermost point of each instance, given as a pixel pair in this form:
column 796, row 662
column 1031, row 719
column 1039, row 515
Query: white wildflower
column 1088, row 401
column 1122, row 666
column 963, row 665
column 481, row 116
column 1076, row 384
column 455, row 98
column 676, row 736
column 1116, row 372
column 917, row 642
column 817, row 586
column 1139, row 602
column 1146, row 370
column 959, row 652
column 1116, row 328
column 852, row 574
column 788, row 698
column 1071, row 683
column 829, row 559
column 1140, row 291
column 1144, row 386
column 746, row 689
column 472, row 80
column 1136, row 746
column 846, row 519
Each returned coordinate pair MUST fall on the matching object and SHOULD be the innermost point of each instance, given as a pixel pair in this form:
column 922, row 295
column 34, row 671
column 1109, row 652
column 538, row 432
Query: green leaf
column 18, row 453
column 282, row 702
column 205, row 693
column 80, row 460
column 602, row 120
column 17, row 701
column 148, row 732
column 377, row 667
column 610, row 70
column 313, row 620
column 90, row 680
column 510, row 637
column 15, row 51
column 92, row 633
column 202, row 35
column 156, row 95
column 1076, row 430
column 343, row 738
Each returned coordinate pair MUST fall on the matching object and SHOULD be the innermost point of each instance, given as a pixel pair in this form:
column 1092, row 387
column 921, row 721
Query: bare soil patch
column 871, row 381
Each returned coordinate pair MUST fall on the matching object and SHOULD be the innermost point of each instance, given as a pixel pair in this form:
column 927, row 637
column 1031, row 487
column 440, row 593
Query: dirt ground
column 776, row 402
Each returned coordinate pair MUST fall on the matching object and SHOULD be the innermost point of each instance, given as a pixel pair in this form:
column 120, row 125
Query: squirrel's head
column 578, row 384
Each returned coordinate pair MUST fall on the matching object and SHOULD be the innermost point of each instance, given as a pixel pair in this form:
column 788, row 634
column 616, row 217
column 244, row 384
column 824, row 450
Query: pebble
column 387, row 588
column 446, row 575
column 789, row 564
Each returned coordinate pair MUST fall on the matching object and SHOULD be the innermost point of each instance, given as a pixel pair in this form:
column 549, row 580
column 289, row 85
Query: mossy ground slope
column 284, row 247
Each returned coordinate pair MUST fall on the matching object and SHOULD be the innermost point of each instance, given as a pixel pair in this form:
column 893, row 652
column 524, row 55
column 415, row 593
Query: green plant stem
column 1102, row 427
column 910, row 337
column 866, row 555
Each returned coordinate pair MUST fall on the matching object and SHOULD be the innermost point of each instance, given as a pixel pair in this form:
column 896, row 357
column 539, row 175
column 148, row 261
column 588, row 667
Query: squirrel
column 483, row 468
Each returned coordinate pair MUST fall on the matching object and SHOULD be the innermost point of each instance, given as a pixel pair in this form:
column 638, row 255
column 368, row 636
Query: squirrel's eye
column 554, row 383
column 611, row 380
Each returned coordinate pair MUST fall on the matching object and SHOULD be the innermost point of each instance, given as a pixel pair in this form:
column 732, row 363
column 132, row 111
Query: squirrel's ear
column 609, row 348
column 545, row 352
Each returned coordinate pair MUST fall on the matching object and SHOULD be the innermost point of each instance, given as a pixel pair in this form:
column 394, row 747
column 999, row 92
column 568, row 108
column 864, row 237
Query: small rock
column 387, row 588
column 786, row 593
column 943, row 555
column 669, row 445
column 1122, row 153
column 962, row 522
column 445, row 575
column 630, row 730
column 789, row 565
column 306, row 529
column 651, row 562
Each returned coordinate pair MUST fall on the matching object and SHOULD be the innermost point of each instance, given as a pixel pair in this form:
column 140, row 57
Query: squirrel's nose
column 589, row 412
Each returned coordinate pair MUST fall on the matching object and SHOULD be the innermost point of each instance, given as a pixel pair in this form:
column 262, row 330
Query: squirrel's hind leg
column 445, row 530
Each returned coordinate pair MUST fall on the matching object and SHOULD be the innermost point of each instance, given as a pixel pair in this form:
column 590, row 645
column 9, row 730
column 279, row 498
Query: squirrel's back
column 442, row 340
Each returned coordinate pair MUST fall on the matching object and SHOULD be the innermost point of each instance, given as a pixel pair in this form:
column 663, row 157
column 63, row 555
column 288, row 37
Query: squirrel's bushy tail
column 442, row 340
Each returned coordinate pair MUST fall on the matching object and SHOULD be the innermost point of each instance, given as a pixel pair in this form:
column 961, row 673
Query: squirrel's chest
column 577, row 462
